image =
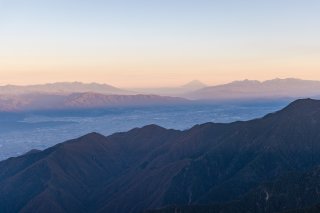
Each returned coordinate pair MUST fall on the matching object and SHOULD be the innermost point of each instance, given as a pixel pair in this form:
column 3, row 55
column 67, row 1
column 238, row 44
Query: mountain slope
column 291, row 191
column 152, row 167
column 62, row 178
column 86, row 100
column 93, row 100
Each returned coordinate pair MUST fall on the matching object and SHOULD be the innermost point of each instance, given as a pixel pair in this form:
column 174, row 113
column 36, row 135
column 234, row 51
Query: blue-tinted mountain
column 250, row 89
column 64, row 88
column 290, row 193
column 88, row 100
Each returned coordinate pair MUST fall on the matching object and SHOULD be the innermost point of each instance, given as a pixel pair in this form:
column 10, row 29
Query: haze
column 157, row 43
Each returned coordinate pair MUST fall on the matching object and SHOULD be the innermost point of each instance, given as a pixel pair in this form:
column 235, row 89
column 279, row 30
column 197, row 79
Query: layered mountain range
column 80, row 95
column 246, row 90
column 270, row 164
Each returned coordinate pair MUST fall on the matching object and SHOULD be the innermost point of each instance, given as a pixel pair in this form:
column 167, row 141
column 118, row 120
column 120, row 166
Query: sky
column 152, row 43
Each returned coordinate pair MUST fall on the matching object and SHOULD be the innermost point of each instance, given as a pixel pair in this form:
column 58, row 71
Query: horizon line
column 162, row 86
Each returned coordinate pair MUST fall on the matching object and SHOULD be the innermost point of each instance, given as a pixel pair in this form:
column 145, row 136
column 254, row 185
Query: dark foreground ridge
column 264, row 165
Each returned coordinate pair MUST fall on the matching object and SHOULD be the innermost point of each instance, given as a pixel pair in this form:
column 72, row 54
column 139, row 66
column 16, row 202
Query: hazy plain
column 21, row 132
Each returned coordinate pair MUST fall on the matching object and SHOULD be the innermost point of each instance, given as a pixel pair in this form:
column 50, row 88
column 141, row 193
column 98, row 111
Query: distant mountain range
column 249, row 90
column 78, row 87
column 79, row 95
column 172, row 91
column 264, row 165
column 64, row 88
column 289, row 88
column 88, row 100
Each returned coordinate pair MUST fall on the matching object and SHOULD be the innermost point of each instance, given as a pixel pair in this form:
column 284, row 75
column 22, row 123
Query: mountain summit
column 193, row 85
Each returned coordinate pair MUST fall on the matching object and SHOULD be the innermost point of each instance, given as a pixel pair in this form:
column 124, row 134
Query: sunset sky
column 150, row 43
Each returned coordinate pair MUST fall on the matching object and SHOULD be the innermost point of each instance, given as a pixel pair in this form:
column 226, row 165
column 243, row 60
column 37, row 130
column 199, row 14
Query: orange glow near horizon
column 156, row 73
column 157, row 43
column 146, row 79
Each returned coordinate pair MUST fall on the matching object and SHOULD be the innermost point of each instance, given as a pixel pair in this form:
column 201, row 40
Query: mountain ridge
column 152, row 167
column 245, row 90
column 63, row 88
column 87, row 100
column 252, row 89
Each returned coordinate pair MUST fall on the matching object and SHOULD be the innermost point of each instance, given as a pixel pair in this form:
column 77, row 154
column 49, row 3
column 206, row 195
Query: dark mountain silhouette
column 291, row 191
column 250, row 89
column 208, row 167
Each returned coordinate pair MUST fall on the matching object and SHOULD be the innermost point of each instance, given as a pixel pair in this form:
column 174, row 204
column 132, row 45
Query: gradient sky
column 149, row 43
